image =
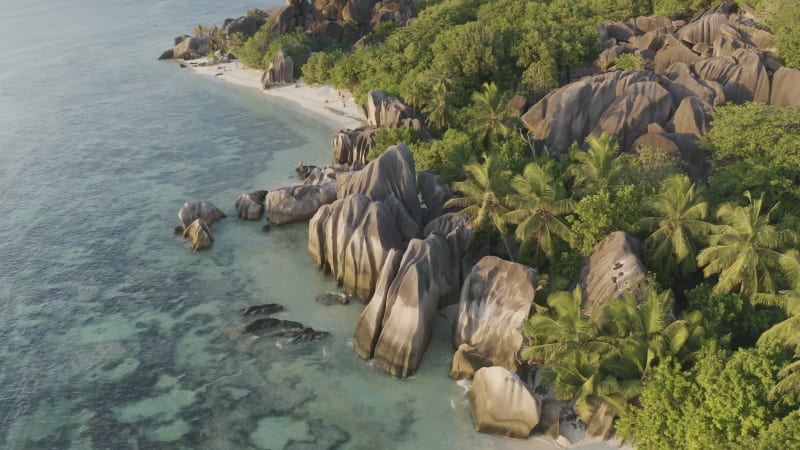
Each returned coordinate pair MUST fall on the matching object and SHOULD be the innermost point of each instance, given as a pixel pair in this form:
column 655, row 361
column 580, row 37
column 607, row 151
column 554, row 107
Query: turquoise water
column 113, row 334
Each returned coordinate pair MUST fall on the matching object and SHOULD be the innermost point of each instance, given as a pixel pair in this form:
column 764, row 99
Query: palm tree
column 678, row 226
column 536, row 206
column 437, row 104
column 598, row 167
column 744, row 252
column 493, row 116
column 559, row 329
column 786, row 332
column 483, row 195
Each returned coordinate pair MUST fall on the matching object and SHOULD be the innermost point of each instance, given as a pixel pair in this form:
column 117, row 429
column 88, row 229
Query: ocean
column 113, row 333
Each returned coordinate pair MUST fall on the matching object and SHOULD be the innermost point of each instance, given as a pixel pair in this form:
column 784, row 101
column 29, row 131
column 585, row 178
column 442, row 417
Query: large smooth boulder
column 646, row 24
column 424, row 277
column 392, row 174
column 357, row 12
column 495, row 301
column 433, row 195
column 743, row 76
column 786, row 87
column 692, row 117
column 389, row 112
column 192, row 48
column 296, row 203
column 246, row 25
column 704, row 30
column 568, row 114
column 352, row 237
column 673, row 54
column 501, row 404
column 280, row 70
column 353, row 146
column 684, row 84
column 628, row 116
column 199, row 234
column 613, row 268
column 199, row 210
column 250, row 206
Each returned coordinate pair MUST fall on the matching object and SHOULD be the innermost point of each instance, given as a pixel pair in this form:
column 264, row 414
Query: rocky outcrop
column 495, row 301
column 199, row 234
column 628, row 116
column 353, row 146
column 501, row 404
column 392, row 174
column 717, row 57
column 613, row 268
column 250, row 206
column 785, row 90
column 296, row 203
column 433, row 195
column 409, row 293
column 246, row 25
column 389, row 112
column 192, row 48
column 352, row 237
column 199, row 210
column 280, row 71
column 296, row 13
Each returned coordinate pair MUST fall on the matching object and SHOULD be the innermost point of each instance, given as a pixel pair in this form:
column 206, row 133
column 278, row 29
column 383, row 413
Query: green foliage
column 744, row 251
column 447, row 156
column 258, row 50
column 319, row 67
column 538, row 205
column 722, row 403
column 730, row 319
column 493, row 117
column 599, row 167
column 599, row 214
column 649, row 167
column 755, row 147
column 602, row 359
column 679, row 9
column 539, row 78
column 483, row 195
column 385, row 138
column 678, row 227
column 255, row 12
column 630, row 61
column 783, row 17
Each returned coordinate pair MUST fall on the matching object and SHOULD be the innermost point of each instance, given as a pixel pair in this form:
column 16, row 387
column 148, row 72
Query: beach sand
column 335, row 107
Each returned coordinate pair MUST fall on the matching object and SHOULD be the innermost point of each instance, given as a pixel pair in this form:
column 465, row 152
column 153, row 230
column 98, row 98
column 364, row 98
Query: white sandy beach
column 338, row 108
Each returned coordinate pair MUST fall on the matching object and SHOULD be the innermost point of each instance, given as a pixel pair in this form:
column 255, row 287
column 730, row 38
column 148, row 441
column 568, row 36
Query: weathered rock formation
column 717, row 57
column 199, row 234
column 297, row 203
column 190, row 48
column 280, row 71
column 396, row 326
column 352, row 237
column 250, row 206
column 501, row 404
column 392, row 174
column 496, row 299
column 199, row 210
column 246, row 25
column 613, row 268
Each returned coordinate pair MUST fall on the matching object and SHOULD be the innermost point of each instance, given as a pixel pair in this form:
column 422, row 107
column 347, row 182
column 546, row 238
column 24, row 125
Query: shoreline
column 336, row 107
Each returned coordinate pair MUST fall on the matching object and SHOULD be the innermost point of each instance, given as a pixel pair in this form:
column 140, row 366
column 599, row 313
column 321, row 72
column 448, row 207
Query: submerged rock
column 199, row 210
column 307, row 334
column 199, row 233
column 333, row 298
column 250, row 206
column 271, row 323
column 501, row 404
column 266, row 309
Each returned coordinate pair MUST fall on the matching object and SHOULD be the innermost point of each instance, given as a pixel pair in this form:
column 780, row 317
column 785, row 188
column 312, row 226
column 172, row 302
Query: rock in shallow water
column 199, row 233
column 501, row 404
column 266, row 309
